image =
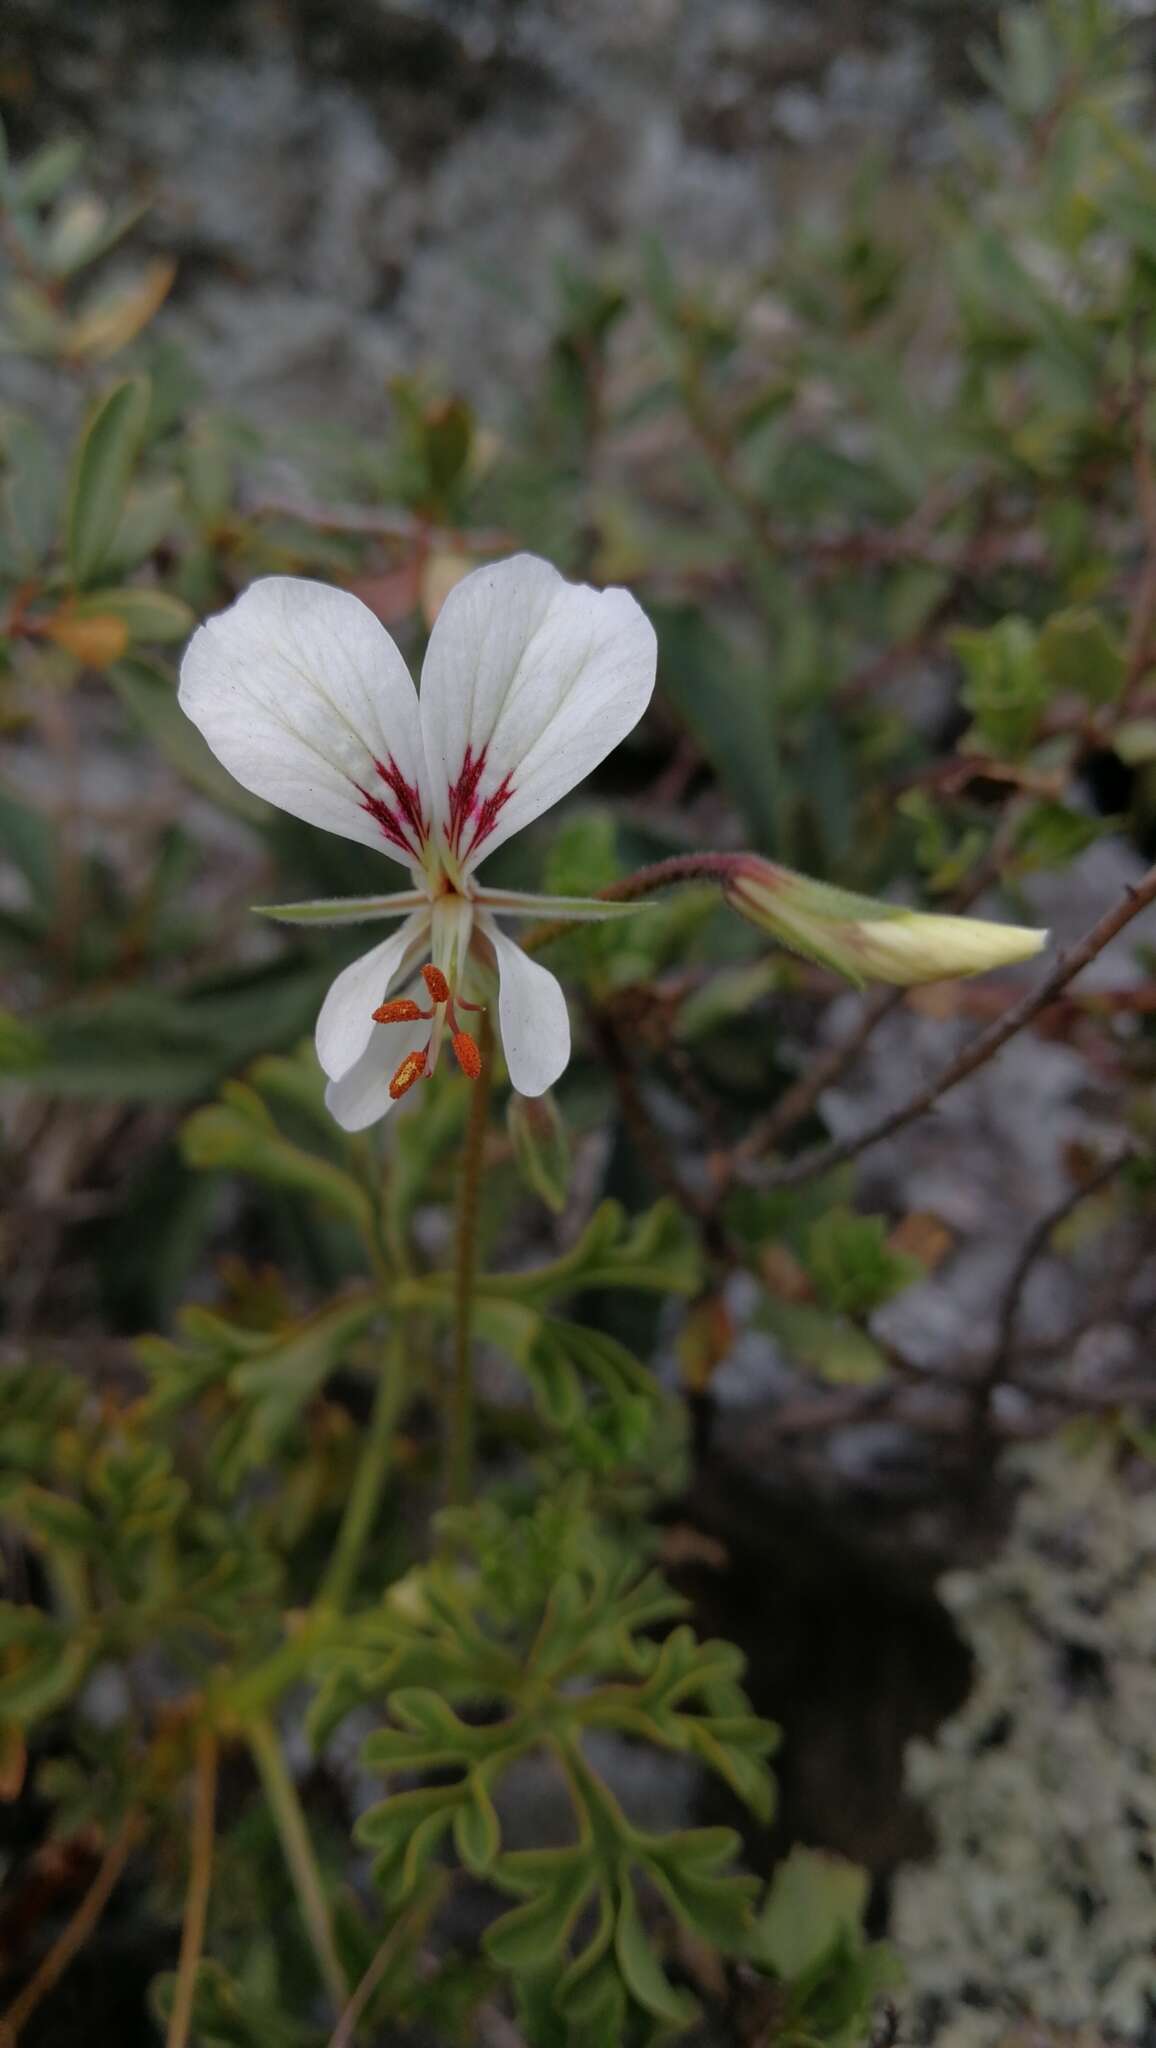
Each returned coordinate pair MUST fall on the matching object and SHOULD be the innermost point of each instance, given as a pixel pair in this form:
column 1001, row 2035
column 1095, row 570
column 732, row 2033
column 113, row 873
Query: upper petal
column 345, row 1024
column 303, row 696
column 528, row 683
column 532, row 1016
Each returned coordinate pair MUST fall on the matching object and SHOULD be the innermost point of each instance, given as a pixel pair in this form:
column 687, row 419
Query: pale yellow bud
column 868, row 940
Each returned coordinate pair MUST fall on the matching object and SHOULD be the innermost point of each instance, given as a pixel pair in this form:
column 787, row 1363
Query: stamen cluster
column 422, row 1062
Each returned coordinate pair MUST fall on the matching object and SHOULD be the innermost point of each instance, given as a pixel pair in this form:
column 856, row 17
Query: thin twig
column 197, row 1895
column 368, row 1480
column 73, row 1937
column 460, row 1449
column 822, row 1158
column 1034, row 1246
column 383, row 522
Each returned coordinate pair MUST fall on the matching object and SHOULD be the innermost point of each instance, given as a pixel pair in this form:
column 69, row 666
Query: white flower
column 528, row 683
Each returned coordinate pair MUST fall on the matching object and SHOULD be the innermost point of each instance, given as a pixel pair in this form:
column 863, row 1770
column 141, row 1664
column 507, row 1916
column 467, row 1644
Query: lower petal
column 345, row 1025
column 532, row 1016
column 361, row 1096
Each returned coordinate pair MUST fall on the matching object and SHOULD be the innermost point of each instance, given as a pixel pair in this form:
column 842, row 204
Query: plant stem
column 297, row 1848
column 369, row 1479
column 72, row 1938
column 408, row 1929
column 197, row 1895
column 661, row 874
column 460, row 1448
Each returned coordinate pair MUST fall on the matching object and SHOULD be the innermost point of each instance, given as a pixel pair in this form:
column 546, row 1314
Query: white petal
column 345, row 1025
column 528, row 683
column 361, row 1096
column 532, row 1016
column 303, row 696
column 334, row 910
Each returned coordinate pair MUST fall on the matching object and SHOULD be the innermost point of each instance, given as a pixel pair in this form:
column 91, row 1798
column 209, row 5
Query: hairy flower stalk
column 528, row 683
column 865, row 939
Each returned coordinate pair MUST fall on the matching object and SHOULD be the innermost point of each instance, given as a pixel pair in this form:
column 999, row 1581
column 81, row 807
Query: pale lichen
column 1039, row 1908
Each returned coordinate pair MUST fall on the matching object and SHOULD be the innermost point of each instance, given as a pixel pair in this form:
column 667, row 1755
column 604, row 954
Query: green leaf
column 41, row 1663
column 477, row 1834
column 542, row 1149
column 730, row 710
column 814, row 1898
column 147, row 614
column 1052, row 834
column 1004, row 684
column 42, row 176
column 657, row 1251
column 102, row 471
column 1078, row 652
column 851, row 1264
column 276, row 1384
column 21, row 1048
column 642, row 1973
column 1135, row 742
column 825, row 1344
column 559, row 1881
column 238, row 1133
column 143, row 1045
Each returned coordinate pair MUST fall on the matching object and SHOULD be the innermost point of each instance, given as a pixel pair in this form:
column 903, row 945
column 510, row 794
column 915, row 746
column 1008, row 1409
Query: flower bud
column 868, row 940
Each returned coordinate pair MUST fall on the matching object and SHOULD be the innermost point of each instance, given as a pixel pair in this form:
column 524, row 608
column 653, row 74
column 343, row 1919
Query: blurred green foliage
column 892, row 510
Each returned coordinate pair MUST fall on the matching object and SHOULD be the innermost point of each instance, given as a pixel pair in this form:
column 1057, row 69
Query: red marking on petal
column 401, row 822
column 464, row 797
column 490, row 811
column 472, row 820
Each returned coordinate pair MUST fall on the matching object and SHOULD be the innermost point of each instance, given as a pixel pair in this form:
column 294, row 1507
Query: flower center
column 418, row 1065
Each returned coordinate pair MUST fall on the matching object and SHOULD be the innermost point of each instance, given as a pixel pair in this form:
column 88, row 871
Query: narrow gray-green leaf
column 102, row 472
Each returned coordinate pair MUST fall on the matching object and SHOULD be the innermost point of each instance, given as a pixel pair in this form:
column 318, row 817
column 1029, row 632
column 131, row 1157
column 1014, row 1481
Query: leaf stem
column 661, row 874
column 460, row 1445
column 405, row 1931
column 369, row 1479
column 197, row 1895
column 285, row 1806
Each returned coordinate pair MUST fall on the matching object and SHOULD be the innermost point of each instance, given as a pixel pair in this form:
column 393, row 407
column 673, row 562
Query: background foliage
column 893, row 512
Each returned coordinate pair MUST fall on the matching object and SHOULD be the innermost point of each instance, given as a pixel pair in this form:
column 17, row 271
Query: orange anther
column 402, row 1010
column 411, row 1069
column 468, row 1057
column 435, row 981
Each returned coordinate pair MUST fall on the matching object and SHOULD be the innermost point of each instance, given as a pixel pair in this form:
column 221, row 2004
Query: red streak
column 402, row 822
column 471, row 821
